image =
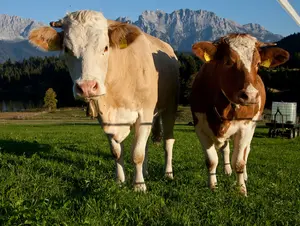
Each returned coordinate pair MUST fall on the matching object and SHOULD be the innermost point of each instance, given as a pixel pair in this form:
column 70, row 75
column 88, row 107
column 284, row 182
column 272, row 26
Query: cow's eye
column 106, row 49
column 228, row 62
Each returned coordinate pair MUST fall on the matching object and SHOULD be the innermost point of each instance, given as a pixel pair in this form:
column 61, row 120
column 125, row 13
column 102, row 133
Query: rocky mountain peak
column 14, row 27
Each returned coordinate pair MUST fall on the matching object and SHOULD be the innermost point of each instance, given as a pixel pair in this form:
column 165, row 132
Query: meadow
column 56, row 169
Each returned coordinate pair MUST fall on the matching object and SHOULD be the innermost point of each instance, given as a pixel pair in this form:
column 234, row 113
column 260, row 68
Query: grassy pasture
column 56, row 169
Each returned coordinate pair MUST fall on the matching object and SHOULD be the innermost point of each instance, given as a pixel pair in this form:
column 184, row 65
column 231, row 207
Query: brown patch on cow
column 138, row 158
column 120, row 33
column 239, row 167
column 209, row 164
column 195, row 119
column 116, row 153
column 46, row 38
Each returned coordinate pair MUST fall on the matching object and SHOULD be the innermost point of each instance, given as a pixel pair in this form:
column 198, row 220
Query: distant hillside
column 291, row 43
column 19, row 50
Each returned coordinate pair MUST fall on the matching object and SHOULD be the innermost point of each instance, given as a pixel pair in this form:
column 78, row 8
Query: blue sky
column 267, row 13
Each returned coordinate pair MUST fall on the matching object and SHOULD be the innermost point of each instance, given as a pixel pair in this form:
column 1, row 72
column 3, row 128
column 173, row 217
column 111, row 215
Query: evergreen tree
column 50, row 100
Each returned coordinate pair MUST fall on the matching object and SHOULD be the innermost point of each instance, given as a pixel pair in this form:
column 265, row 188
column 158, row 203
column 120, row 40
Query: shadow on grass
column 81, row 182
column 23, row 148
column 47, row 152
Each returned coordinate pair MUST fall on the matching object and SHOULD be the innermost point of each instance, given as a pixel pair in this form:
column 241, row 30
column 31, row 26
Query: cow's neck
column 223, row 109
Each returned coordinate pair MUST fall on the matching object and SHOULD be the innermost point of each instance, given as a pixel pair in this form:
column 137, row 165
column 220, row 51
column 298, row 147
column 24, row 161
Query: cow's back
column 143, row 74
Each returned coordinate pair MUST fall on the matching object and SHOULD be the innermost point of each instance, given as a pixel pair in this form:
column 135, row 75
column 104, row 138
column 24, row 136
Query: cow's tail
column 157, row 129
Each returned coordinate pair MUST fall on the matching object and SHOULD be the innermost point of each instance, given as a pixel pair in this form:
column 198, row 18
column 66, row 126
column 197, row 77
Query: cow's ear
column 204, row 50
column 273, row 56
column 122, row 35
column 46, row 38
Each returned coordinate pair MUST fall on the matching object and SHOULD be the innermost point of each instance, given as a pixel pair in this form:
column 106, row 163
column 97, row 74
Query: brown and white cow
column 228, row 97
column 126, row 75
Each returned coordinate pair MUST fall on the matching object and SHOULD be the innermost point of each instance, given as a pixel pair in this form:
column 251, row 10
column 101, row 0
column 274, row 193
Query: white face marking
column 244, row 46
column 251, row 89
column 86, row 35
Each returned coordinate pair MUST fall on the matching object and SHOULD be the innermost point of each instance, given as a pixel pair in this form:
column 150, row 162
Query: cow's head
column 86, row 39
column 235, row 60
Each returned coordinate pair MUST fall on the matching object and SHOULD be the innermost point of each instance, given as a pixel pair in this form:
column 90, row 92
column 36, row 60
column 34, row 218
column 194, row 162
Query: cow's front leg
column 242, row 141
column 210, row 155
column 117, row 149
column 142, row 132
column 246, row 159
column 225, row 150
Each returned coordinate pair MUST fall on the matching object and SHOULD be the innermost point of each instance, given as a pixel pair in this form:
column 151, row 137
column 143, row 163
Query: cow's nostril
column 95, row 86
column 244, row 96
column 78, row 89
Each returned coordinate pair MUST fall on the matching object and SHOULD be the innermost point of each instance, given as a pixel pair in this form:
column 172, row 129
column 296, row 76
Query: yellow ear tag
column 266, row 63
column 123, row 43
column 207, row 57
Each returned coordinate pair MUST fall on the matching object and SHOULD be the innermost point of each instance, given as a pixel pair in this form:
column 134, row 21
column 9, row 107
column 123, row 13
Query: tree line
column 29, row 80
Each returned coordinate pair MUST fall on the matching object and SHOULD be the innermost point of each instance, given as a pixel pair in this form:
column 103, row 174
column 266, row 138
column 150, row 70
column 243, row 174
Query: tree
column 189, row 65
column 50, row 100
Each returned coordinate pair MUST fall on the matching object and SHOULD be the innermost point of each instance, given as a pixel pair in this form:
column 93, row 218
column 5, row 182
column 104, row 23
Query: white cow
column 126, row 75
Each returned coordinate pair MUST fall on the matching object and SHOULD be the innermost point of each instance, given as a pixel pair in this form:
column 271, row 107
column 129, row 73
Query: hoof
column 140, row 187
column 243, row 191
column 228, row 170
column 169, row 175
column 120, row 181
column 213, row 187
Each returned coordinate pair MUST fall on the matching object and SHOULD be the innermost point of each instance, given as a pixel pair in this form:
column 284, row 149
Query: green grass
column 63, row 174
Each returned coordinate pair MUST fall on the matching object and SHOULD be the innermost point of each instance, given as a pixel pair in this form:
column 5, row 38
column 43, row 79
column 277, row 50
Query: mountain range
column 184, row 27
column 180, row 28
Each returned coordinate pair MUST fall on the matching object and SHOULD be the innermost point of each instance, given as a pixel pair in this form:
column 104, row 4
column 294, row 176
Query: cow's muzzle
column 247, row 98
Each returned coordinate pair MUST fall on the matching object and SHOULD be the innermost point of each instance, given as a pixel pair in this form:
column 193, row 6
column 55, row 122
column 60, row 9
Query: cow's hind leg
column 168, row 120
column 225, row 150
column 142, row 132
column 117, row 150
